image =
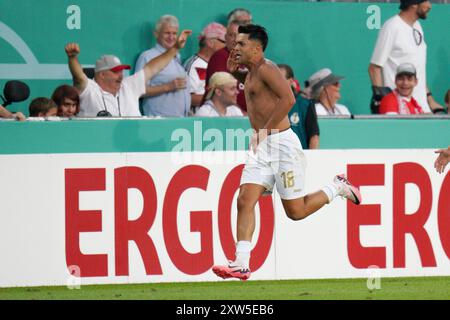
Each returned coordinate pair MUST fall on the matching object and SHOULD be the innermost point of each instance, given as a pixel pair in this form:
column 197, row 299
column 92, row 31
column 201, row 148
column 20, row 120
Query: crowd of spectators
column 162, row 85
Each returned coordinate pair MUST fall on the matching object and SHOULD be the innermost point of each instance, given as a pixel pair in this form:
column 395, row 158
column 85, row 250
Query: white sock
column 331, row 191
column 243, row 249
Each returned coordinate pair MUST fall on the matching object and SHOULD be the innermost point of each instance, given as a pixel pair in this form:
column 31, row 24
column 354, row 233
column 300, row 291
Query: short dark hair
column 66, row 91
column 255, row 32
column 41, row 105
column 288, row 69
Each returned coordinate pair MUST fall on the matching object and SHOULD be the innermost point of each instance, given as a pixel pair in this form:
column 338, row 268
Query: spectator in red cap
column 110, row 94
column 211, row 39
column 218, row 62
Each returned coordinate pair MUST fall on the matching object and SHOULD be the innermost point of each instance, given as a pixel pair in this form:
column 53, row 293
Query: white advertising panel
column 148, row 217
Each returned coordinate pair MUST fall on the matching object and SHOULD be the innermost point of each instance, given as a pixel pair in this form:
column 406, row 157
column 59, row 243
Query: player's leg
column 300, row 208
column 248, row 197
column 290, row 181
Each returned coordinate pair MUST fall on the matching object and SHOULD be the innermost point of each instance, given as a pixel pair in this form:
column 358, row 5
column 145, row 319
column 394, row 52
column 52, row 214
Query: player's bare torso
column 260, row 98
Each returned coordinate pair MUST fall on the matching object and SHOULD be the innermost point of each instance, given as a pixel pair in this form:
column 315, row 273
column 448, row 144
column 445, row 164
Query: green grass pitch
column 424, row 288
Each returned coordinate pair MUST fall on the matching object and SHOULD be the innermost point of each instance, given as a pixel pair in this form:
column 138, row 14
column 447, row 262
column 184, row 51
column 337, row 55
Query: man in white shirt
column 221, row 98
column 110, row 94
column 401, row 40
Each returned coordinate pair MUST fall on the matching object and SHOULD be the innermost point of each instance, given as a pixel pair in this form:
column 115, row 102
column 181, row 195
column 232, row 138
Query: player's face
column 405, row 84
column 423, row 9
column 167, row 36
column 244, row 48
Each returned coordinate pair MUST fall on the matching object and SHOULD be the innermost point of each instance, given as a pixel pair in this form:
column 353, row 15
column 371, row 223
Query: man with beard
column 401, row 40
column 276, row 156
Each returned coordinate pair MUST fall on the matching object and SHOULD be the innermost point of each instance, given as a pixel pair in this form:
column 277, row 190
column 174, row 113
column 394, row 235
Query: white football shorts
column 280, row 160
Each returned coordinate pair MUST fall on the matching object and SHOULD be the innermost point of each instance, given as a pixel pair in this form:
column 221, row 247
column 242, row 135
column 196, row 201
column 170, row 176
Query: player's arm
column 80, row 79
column 273, row 78
column 155, row 65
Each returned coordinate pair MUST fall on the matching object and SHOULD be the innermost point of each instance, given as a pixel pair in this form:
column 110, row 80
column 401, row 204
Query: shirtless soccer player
column 275, row 155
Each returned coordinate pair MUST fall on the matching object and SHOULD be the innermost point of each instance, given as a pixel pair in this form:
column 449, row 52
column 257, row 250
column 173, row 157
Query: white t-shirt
column 196, row 71
column 339, row 110
column 397, row 44
column 124, row 104
column 209, row 110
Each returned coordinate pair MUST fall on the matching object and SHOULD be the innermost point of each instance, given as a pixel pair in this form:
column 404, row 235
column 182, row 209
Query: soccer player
column 276, row 155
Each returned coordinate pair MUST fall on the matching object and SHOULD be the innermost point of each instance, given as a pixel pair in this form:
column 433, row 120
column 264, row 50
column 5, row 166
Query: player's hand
column 442, row 159
column 232, row 62
column 72, row 50
column 182, row 38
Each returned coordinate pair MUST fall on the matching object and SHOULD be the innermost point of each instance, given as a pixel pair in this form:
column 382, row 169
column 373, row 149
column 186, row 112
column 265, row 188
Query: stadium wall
column 139, row 212
column 307, row 35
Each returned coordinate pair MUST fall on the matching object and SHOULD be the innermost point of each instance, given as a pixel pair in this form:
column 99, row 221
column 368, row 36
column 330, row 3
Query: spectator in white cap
column 110, row 94
column 221, row 97
column 401, row 100
column 324, row 88
column 211, row 39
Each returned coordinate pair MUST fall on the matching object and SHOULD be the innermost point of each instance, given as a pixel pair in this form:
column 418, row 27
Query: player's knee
column 296, row 213
column 244, row 203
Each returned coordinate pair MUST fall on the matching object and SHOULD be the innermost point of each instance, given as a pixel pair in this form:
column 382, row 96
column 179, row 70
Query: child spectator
column 68, row 101
column 43, row 107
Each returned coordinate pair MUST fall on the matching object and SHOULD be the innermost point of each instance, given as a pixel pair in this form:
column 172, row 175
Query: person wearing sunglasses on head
column 402, row 40
column 218, row 63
